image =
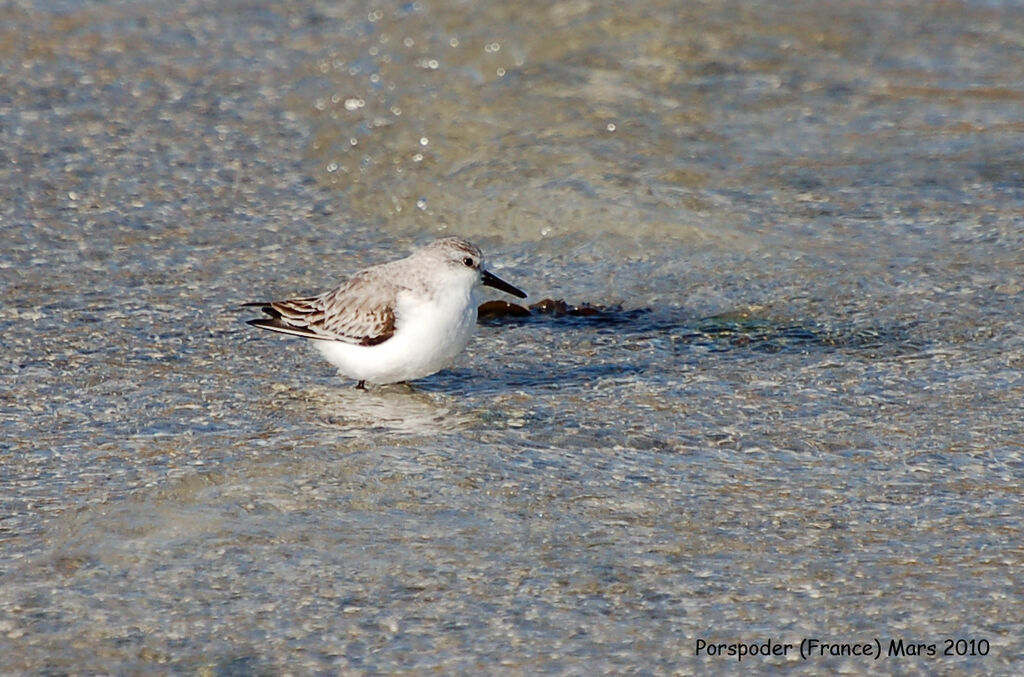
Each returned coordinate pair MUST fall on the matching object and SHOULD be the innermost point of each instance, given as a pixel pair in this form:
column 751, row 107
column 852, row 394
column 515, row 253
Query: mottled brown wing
column 361, row 312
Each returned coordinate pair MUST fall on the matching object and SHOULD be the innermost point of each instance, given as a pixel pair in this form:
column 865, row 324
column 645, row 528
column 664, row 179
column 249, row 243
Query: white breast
column 429, row 333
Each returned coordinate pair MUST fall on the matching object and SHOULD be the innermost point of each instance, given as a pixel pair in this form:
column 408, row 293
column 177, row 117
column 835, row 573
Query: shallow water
column 798, row 415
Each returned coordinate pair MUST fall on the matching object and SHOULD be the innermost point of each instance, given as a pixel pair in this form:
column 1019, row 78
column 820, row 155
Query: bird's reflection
column 397, row 409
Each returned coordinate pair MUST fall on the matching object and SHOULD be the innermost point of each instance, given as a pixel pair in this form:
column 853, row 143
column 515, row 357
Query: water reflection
column 398, row 409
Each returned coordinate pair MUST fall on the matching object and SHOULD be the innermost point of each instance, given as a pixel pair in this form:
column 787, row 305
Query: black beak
column 498, row 283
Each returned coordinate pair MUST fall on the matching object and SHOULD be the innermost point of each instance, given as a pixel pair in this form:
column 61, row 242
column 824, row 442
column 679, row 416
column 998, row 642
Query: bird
column 396, row 321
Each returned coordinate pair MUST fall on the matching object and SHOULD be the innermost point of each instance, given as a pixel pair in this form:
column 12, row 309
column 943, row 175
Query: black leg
column 361, row 385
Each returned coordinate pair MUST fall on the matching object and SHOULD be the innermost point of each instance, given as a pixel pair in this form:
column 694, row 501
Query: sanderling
column 395, row 321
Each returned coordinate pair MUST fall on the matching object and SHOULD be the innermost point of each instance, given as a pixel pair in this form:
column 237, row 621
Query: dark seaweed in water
column 723, row 332
column 495, row 311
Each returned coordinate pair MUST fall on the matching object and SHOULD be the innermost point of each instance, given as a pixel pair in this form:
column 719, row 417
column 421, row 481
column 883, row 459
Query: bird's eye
column 468, row 261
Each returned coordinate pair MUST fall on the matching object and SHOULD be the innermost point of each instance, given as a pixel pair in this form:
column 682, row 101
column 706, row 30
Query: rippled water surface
column 797, row 412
